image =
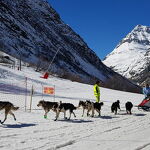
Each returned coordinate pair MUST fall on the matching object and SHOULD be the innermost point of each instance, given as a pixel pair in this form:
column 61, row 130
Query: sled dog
column 115, row 106
column 63, row 107
column 97, row 107
column 47, row 106
column 128, row 107
column 8, row 107
column 91, row 106
column 85, row 105
column 94, row 106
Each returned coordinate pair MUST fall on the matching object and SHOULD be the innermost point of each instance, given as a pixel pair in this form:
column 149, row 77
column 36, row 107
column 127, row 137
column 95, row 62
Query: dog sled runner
column 145, row 105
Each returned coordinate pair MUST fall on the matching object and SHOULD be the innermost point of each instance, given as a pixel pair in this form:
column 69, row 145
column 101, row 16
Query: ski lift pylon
column 46, row 74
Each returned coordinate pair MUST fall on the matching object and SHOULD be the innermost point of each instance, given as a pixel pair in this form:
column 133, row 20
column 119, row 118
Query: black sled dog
column 115, row 106
column 97, row 107
column 128, row 107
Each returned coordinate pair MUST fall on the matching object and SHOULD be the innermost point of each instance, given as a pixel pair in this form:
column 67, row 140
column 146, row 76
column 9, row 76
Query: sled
column 144, row 105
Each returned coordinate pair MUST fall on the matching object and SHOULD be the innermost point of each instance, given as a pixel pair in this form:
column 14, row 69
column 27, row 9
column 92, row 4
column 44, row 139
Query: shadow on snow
column 106, row 117
column 76, row 121
column 139, row 114
column 22, row 125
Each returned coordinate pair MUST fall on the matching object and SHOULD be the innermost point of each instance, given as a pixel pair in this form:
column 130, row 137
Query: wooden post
column 26, row 94
column 31, row 98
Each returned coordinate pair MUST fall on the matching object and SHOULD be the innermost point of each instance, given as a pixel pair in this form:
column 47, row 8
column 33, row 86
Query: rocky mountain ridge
column 131, row 57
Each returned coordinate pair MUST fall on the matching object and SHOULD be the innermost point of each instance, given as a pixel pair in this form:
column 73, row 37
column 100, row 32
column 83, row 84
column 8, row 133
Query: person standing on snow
column 97, row 91
column 146, row 91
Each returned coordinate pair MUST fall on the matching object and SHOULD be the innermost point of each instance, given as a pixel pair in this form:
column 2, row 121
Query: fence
column 26, row 92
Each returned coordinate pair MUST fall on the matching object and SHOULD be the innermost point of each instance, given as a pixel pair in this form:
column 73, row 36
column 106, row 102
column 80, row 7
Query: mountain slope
column 32, row 31
column 131, row 57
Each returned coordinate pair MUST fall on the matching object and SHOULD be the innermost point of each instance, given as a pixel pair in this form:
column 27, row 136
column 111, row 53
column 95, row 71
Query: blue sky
column 103, row 23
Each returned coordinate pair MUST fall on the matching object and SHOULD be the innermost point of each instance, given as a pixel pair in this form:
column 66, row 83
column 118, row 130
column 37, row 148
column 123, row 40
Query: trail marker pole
column 31, row 98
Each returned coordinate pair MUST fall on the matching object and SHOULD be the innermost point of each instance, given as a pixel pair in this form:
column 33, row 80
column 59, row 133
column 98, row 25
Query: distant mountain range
column 31, row 30
column 131, row 57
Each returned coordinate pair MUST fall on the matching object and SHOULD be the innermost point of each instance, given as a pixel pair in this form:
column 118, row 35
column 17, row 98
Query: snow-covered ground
column 32, row 131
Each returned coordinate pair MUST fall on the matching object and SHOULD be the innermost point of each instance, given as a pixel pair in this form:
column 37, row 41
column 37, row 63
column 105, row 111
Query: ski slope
column 108, row 132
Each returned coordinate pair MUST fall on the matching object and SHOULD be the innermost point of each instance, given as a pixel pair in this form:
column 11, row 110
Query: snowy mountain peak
column 140, row 34
column 131, row 57
column 140, row 28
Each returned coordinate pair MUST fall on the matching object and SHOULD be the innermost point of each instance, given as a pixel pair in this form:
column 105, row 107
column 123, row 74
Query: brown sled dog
column 8, row 107
column 47, row 106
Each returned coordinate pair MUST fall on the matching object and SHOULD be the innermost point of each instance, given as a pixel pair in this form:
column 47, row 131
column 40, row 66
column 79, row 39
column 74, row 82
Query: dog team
column 63, row 107
column 58, row 107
